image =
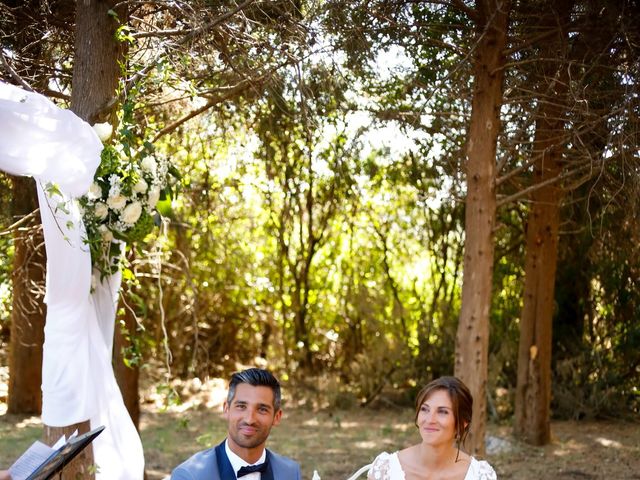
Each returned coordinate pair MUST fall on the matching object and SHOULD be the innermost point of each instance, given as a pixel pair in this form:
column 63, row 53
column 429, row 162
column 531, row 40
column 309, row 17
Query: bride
column 443, row 417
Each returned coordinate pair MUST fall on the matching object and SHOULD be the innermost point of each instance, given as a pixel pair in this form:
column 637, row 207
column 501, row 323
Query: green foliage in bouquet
column 120, row 206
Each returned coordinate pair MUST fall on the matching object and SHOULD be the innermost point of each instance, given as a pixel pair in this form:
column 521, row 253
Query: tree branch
column 523, row 193
column 14, row 74
column 231, row 92
column 471, row 12
column 186, row 39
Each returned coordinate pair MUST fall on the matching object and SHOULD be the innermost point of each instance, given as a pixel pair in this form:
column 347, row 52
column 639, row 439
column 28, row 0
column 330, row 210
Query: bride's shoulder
column 480, row 470
column 383, row 466
column 384, row 457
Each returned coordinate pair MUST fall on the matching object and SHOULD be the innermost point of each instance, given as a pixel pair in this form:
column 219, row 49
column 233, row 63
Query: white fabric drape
column 78, row 384
column 41, row 140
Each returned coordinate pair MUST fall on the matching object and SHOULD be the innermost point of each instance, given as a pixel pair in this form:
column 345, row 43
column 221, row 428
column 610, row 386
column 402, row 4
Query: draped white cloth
column 39, row 139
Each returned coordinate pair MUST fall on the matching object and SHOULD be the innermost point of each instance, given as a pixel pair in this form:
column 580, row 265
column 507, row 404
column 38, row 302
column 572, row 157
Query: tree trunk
column 472, row 339
column 533, row 391
column 96, row 73
column 28, row 312
column 127, row 376
column 96, row 69
column 83, row 465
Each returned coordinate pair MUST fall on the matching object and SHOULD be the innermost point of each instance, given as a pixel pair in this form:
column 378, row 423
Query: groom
column 251, row 409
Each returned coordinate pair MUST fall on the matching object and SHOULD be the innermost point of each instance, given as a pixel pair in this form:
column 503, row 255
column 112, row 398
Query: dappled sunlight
column 312, row 422
column 350, row 424
column 183, row 395
column 369, row 444
column 29, row 422
column 568, row 448
column 605, row 442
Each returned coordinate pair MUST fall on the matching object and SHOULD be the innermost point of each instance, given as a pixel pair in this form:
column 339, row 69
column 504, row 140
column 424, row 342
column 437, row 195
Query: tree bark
column 80, row 467
column 127, row 376
column 472, row 339
column 28, row 311
column 96, row 72
column 533, row 391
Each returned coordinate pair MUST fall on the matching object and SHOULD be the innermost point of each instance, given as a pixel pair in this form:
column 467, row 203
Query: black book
column 61, row 457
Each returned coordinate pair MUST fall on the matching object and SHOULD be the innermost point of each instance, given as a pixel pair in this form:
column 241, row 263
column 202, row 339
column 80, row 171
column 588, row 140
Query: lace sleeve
column 380, row 469
column 484, row 471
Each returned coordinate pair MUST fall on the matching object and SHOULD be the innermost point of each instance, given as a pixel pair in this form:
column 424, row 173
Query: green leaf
column 127, row 274
column 164, row 207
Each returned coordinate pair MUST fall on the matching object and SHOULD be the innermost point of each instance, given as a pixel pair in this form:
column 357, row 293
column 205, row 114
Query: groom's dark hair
column 256, row 377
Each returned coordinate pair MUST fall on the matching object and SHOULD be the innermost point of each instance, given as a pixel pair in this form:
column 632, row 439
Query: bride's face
column 436, row 419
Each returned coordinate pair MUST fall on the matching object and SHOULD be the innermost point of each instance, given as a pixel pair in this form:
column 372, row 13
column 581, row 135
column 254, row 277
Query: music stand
column 61, row 458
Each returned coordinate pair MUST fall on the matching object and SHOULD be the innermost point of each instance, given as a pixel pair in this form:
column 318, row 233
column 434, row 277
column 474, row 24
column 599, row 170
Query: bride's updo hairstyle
column 461, row 401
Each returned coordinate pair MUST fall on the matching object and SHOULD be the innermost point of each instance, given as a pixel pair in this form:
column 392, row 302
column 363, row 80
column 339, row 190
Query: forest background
column 372, row 194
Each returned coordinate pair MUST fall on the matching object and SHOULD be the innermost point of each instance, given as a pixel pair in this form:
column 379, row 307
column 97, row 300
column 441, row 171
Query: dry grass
column 337, row 443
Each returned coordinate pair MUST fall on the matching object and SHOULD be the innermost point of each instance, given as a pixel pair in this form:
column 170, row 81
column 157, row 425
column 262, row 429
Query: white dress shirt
column 237, row 462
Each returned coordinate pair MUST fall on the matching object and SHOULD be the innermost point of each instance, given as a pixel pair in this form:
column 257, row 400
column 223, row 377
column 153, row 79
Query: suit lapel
column 224, row 465
column 268, row 475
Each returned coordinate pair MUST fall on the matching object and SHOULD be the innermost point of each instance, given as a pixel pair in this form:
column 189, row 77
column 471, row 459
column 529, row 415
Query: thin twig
column 14, row 74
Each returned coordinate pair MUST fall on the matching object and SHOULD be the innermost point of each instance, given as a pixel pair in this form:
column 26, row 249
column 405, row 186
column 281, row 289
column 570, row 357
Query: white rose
column 100, row 210
column 154, row 196
column 131, row 213
column 149, row 164
column 104, row 131
column 107, row 235
column 117, row 202
column 94, row 192
column 140, row 186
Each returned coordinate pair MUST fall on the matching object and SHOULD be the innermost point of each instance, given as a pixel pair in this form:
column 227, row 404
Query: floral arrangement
column 121, row 204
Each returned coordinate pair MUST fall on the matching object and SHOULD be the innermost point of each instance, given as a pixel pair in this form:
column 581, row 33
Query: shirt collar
column 237, row 462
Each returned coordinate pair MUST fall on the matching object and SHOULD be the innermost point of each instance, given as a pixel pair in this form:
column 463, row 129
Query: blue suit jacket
column 207, row 465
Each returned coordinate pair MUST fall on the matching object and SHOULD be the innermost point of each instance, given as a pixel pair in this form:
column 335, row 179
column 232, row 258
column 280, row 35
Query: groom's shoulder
column 199, row 465
column 283, row 462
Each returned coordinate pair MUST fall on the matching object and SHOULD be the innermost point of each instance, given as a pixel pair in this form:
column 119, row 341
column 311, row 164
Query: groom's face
column 250, row 416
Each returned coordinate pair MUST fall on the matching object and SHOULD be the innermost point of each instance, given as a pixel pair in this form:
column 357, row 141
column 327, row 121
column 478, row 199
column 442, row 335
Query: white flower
column 94, row 192
column 114, row 185
column 154, row 196
column 148, row 164
column 140, row 186
column 100, row 210
column 106, row 234
column 117, row 202
column 131, row 213
column 104, row 131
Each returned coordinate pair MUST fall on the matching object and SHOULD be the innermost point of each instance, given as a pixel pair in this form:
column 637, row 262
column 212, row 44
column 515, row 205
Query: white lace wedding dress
column 39, row 139
column 387, row 466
